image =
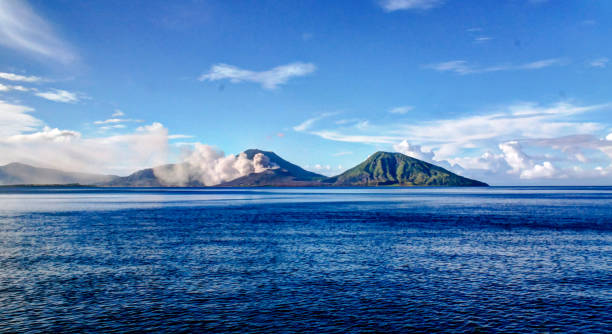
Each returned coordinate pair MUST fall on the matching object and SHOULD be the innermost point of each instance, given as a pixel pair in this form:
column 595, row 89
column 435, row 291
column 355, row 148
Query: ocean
column 498, row 259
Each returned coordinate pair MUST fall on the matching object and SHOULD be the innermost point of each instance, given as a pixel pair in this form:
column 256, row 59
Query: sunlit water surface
column 317, row 260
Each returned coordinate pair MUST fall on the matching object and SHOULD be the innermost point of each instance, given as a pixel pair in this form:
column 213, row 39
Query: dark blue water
column 312, row 260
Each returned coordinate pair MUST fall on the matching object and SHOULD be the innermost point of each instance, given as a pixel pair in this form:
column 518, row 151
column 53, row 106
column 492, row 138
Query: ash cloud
column 205, row 165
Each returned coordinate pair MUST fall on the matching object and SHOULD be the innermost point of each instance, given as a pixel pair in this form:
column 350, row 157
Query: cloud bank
column 69, row 150
column 522, row 141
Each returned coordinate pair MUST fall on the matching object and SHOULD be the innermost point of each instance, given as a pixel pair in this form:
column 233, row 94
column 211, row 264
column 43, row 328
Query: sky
column 513, row 92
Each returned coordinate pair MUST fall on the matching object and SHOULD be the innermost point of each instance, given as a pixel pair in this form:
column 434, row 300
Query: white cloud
column 493, row 143
column 487, row 161
column 305, row 125
column 115, row 123
column 24, row 138
column 393, row 5
column 599, row 62
column 111, row 127
column 46, row 135
column 325, row 169
column 269, row 79
column 23, row 30
column 545, row 170
column 462, row 67
column 536, row 65
column 339, row 154
column 59, row 95
column 179, row 136
column 401, row 110
column 514, row 121
column 117, row 120
column 482, row 39
column 415, row 151
column 6, row 88
column 69, row 150
column 110, row 120
column 349, row 138
column 15, row 119
column 525, row 120
column 18, row 77
column 576, row 147
column 514, row 156
column 117, row 113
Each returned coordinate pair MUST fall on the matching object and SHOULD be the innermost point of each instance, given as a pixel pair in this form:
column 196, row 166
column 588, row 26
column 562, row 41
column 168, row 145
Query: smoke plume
column 206, row 166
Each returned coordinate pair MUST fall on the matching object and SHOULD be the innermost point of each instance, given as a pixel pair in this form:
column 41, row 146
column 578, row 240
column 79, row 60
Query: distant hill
column 142, row 178
column 286, row 174
column 396, row 169
column 18, row 173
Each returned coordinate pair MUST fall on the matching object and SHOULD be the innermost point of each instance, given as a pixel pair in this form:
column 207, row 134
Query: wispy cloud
column 401, row 110
column 462, row 67
column 111, row 127
column 116, row 123
column 15, row 119
column 343, row 153
column 59, row 95
column 523, row 120
column 179, row 136
column 483, row 143
column 23, row 30
column 482, row 39
column 393, row 5
column 599, row 62
column 118, row 113
column 269, row 79
column 355, row 138
column 305, row 125
column 110, row 120
column 6, row 88
column 19, row 77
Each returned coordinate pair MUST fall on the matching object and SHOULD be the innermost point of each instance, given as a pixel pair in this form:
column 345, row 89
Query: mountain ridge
column 379, row 169
column 20, row 173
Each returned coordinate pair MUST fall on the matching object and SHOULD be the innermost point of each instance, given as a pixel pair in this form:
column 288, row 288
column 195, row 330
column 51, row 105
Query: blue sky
column 510, row 92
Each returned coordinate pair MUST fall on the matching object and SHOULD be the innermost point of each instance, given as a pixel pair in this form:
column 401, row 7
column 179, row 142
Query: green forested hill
column 384, row 168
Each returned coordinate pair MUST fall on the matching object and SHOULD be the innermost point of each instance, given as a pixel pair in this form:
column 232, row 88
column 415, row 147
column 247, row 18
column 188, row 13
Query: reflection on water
column 393, row 260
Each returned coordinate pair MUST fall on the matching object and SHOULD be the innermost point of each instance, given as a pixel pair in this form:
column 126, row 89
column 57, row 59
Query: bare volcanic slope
column 396, row 169
column 282, row 174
